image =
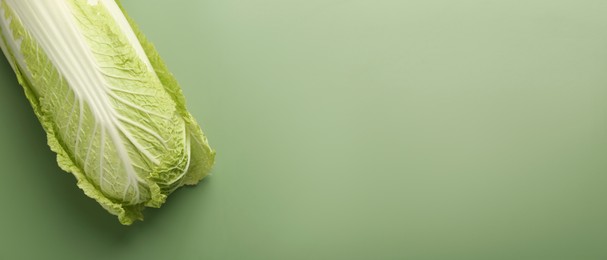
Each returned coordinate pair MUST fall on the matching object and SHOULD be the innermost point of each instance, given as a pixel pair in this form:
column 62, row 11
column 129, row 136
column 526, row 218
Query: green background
column 351, row 129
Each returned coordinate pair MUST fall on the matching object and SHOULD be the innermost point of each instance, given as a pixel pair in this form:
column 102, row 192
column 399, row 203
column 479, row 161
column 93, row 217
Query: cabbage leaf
column 113, row 113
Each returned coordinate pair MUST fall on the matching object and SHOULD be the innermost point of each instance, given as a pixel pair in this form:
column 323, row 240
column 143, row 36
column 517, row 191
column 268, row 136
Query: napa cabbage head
column 113, row 113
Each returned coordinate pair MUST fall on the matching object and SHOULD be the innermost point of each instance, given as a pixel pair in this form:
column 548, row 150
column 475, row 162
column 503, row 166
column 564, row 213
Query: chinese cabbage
column 113, row 113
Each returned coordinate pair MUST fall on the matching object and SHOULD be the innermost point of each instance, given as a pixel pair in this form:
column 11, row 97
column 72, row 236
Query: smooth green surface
column 352, row 130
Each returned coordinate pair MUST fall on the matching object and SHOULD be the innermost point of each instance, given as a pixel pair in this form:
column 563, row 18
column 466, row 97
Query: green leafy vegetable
column 113, row 113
